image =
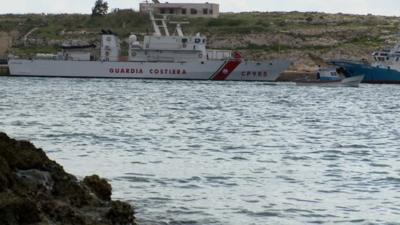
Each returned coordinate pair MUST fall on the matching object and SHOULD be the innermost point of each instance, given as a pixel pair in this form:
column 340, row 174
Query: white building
column 182, row 9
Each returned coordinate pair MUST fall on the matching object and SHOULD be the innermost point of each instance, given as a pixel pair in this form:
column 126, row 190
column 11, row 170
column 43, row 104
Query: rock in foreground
column 35, row 190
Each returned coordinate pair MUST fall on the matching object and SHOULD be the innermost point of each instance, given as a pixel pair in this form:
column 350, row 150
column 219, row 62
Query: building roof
column 180, row 5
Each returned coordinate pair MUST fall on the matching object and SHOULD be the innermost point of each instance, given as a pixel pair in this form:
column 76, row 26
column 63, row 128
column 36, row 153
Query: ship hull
column 371, row 74
column 230, row 70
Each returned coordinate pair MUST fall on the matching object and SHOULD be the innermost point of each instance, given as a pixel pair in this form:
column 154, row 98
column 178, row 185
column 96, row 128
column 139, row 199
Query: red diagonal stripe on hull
column 227, row 69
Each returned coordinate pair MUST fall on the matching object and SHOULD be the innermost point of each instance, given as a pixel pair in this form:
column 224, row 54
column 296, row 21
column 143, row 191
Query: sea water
column 199, row 152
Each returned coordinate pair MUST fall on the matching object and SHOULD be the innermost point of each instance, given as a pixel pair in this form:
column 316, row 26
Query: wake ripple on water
column 186, row 152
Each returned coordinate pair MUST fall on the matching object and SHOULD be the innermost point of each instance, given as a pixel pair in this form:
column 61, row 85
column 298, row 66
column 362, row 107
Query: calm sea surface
column 190, row 152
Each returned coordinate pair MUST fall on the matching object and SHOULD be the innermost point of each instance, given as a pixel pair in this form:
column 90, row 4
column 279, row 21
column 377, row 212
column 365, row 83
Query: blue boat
column 384, row 70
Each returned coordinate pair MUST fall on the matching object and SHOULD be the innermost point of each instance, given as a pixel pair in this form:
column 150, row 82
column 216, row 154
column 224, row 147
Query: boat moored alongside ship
column 385, row 68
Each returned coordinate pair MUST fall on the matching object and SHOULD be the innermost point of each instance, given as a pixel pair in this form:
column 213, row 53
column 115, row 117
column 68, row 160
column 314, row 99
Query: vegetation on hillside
column 257, row 34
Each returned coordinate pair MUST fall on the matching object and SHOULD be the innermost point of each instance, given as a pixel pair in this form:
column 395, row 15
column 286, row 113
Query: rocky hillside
column 37, row 191
column 304, row 37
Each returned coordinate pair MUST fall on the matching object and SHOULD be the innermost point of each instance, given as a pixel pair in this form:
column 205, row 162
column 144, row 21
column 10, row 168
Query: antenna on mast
column 156, row 25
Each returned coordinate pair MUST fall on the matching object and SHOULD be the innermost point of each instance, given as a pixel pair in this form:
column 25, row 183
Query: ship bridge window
column 197, row 40
column 397, row 59
column 193, row 11
column 205, row 11
column 184, row 11
column 204, row 41
column 184, row 40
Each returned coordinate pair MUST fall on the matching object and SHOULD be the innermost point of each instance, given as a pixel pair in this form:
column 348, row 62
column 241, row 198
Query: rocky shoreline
column 36, row 190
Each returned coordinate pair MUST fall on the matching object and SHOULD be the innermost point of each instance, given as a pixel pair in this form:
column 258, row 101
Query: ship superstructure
column 388, row 59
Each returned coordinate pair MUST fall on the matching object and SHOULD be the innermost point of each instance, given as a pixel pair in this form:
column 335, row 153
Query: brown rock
column 121, row 213
column 36, row 190
column 22, row 154
column 17, row 210
column 100, row 187
column 4, row 174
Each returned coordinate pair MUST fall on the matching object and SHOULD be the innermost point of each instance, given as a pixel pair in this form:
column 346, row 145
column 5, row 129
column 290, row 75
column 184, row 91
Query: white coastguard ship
column 158, row 56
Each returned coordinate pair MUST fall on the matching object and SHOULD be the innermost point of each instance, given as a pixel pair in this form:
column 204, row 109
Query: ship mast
column 156, row 24
column 157, row 31
column 156, row 27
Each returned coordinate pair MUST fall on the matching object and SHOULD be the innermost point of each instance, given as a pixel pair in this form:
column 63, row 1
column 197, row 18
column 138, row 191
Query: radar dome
column 132, row 38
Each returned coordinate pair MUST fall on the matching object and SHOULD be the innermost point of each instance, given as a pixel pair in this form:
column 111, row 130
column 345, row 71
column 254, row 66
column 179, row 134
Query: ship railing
column 219, row 54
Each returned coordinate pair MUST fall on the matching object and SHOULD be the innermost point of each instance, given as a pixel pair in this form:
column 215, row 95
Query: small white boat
column 345, row 82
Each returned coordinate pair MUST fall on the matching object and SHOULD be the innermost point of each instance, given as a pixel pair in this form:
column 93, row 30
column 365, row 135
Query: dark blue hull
column 371, row 74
